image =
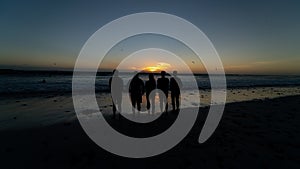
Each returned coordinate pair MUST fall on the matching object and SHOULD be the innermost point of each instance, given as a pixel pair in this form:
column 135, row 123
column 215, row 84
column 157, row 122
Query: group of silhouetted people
column 137, row 88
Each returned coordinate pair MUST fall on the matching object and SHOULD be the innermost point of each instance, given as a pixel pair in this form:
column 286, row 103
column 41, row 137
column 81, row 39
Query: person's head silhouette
column 175, row 73
column 151, row 76
column 115, row 72
column 136, row 75
column 163, row 74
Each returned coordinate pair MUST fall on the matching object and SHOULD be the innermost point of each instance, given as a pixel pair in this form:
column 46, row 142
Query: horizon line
column 69, row 70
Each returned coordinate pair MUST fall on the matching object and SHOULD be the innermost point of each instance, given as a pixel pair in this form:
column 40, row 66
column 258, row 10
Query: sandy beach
column 262, row 133
column 150, row 84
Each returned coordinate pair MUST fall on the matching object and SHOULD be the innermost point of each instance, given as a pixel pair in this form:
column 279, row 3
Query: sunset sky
column 252, row 37
column 158, row 53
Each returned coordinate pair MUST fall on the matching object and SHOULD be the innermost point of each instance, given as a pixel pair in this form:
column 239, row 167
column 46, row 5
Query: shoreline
column 24, row 112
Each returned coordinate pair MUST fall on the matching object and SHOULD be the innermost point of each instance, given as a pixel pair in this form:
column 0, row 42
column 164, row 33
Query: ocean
column 30, row 83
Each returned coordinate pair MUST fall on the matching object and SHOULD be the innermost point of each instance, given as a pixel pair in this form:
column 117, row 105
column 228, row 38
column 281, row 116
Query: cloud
column 163, row 65
column 264, row 62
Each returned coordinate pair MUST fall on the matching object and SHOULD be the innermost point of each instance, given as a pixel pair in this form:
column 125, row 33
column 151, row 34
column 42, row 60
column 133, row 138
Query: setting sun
column 158, row 67
column 152, row 60
column 152, row 68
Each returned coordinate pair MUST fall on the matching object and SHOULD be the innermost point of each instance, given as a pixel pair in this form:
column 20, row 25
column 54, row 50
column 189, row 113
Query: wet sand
column 252, row 134
column 36, row 111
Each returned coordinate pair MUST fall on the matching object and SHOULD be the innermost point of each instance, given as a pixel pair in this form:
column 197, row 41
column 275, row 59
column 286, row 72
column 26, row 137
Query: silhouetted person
column 136, row 90
column 150, row 85
column 116, row 91
column 163, row 84
column 175, row 85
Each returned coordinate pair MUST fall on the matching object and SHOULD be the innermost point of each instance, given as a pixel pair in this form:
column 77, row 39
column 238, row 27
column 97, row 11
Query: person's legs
column 148, row 103
column 161, row 101
column 173, row 101
column 113, row 107
column 119, row 102
column 167, row 105
column 177, row 101
column 138, row 102
column 166, row 102
column 153, row 104
column 133, row 102
column 139, row 106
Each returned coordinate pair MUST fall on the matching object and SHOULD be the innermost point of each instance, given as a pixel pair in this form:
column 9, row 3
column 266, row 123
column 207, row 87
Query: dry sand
column 252, row 134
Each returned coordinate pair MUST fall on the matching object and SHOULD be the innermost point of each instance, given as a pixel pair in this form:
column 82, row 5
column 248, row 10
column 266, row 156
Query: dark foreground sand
column 252, row 134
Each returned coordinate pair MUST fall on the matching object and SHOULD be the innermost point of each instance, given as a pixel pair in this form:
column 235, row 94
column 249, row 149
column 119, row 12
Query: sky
column 154, row 53
column 251, row 37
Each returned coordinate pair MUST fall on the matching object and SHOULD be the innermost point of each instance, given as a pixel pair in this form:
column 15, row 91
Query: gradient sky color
column 253, row 37
column 136, row 43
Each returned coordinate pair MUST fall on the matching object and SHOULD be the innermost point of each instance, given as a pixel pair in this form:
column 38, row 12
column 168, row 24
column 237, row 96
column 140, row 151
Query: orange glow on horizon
column 158, row 67
column 152, row 68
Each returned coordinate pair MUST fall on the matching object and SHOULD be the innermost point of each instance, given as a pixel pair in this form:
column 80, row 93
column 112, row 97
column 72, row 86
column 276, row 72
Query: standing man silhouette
column 150, row 85
column 163, row 84
column 175, row 85
column 116, row 88
column 136, row 90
